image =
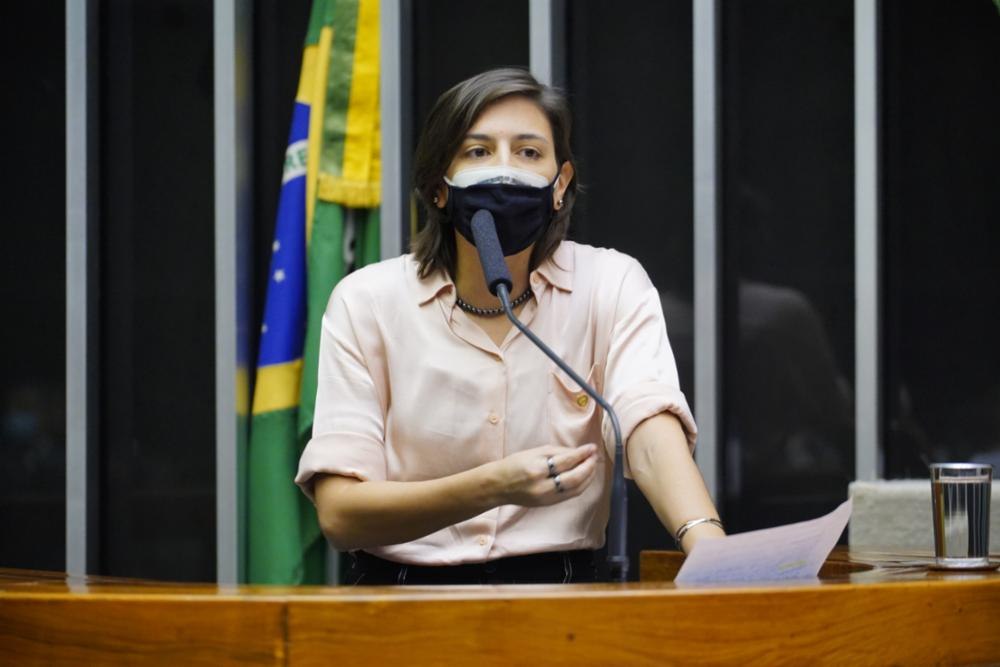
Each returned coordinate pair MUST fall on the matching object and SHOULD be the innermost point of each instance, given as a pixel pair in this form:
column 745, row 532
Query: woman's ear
column 559, row 191
column 441, row 197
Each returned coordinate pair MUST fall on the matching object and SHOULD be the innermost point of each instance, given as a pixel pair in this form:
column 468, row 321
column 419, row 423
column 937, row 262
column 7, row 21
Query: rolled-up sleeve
column 640, row 377
column 349, row 422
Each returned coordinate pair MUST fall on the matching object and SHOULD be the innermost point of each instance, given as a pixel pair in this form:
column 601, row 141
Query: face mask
column 520, row 201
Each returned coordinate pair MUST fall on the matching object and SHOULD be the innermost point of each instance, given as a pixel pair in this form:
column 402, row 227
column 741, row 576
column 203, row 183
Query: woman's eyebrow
column 531, row 137
column 527, row 136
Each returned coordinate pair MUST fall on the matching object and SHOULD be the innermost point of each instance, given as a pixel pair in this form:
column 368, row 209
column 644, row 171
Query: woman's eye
column 476, row 151
column 531, row 153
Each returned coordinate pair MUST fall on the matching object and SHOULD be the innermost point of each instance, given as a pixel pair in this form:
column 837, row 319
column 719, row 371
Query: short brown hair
column 447, row 124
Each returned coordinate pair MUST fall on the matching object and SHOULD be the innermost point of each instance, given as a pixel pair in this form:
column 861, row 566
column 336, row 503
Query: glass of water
column 961, row 508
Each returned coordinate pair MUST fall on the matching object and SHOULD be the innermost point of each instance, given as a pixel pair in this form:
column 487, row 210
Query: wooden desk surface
column 866, row 608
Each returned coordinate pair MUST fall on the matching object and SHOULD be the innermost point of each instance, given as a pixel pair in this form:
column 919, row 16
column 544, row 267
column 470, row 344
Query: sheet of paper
column 795, row 551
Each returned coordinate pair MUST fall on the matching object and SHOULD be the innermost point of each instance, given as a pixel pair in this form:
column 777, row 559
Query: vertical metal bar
column 80, row 28
column 540, row 40
column 866, row 242
column 547, row 41
column 233, row 210
column 706, row 240
column 395, row 211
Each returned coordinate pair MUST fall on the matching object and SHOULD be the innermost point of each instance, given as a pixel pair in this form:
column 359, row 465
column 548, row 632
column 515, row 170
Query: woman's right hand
column 524, row 477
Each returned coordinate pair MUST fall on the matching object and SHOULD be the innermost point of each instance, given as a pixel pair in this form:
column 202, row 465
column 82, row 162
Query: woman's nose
column 503, row 154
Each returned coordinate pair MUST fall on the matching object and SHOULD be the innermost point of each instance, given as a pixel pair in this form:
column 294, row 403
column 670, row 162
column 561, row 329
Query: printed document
column 795, row 551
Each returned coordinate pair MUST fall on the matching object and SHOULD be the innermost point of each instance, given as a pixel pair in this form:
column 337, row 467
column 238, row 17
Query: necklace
column 492, row 312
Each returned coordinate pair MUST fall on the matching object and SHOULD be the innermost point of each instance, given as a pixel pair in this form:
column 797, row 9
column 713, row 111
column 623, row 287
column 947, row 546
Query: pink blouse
column 410, row 388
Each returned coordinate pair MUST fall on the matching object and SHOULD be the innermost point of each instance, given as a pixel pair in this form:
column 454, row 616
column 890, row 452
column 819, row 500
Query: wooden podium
column 864, row 609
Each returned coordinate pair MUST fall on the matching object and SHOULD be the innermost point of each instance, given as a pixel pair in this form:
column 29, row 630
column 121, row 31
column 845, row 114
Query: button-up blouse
column 410, row 388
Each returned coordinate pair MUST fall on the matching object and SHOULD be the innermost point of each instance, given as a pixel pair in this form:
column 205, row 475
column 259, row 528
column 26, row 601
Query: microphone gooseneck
column 490, row 255
column 499, row 281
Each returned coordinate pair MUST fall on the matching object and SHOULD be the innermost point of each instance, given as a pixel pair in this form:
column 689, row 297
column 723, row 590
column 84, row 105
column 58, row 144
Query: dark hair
column 447, row 124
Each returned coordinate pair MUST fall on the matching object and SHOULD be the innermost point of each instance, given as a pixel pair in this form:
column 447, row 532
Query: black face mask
column 521, row 212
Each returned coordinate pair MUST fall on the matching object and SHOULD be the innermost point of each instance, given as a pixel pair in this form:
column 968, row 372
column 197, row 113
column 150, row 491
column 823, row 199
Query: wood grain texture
column 904, row 623
column 139, row 629
column 659, row 565
column 864, row 609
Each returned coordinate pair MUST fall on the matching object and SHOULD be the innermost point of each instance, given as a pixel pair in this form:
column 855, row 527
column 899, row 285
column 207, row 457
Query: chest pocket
column 574, row 417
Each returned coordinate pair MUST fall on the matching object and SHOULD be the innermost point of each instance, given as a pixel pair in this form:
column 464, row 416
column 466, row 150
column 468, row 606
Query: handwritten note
column 795, row 551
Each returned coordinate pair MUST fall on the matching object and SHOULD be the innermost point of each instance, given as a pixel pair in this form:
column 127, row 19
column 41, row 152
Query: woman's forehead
column 512, row 116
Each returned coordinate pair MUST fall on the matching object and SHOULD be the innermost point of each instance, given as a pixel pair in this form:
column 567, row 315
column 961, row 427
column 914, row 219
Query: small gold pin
column 581, row 400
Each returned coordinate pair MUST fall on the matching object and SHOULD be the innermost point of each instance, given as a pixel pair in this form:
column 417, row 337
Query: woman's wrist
column 699, row 532
column 493, row 484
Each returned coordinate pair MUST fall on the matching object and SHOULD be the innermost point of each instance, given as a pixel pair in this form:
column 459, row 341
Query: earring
column 560, row 202
column 435, row 199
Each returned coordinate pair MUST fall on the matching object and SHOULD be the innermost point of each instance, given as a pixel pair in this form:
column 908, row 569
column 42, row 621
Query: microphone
column 499, row 281
column 484, row 233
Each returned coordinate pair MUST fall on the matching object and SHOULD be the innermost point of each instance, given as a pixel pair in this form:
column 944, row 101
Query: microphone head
column 495, row 270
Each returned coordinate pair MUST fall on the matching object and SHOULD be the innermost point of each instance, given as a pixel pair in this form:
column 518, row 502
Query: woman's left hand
column 525, row 478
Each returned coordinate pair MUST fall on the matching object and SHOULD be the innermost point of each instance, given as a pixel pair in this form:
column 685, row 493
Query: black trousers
column 554, row 567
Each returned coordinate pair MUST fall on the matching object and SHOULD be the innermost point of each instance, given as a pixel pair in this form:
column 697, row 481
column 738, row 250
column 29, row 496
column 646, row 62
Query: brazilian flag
column 327, row 225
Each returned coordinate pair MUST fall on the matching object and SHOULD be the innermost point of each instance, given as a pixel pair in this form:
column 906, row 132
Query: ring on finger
column 558, row 483
column 552, row 467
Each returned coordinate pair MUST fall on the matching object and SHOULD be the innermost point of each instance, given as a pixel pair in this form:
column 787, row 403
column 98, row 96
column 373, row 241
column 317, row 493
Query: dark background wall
column 941, row 208
column 33, row 287
column 787, row 90
column 156, row 300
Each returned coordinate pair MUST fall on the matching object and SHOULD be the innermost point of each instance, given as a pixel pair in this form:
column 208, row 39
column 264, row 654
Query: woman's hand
column 524, row 478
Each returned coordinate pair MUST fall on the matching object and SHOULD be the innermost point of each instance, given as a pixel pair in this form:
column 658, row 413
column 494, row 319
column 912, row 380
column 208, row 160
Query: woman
column 446, row 448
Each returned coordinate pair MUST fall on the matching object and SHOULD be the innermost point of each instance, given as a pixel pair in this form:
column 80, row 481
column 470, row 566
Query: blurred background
column 785, row 438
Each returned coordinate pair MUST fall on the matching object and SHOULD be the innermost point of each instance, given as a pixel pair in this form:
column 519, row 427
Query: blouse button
column 581, row 400
column 493, row 418
column 483, row 540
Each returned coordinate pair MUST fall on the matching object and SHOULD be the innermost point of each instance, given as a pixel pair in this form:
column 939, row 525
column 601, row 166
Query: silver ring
column 559, row 488
column 552, row 467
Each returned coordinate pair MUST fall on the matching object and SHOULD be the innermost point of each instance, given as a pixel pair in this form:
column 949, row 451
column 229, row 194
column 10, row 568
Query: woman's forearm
column 357, row 515
column 667, row 475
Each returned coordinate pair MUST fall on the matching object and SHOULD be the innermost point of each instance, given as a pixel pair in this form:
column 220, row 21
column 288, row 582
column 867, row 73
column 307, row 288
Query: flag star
column 276, row 246
column 263, row 328
column 279, row 275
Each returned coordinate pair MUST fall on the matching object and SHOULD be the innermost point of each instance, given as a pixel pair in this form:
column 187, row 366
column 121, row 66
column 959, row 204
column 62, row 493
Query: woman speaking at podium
column 446, row 447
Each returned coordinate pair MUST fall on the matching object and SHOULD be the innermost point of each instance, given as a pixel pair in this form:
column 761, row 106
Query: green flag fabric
column 327, row 224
